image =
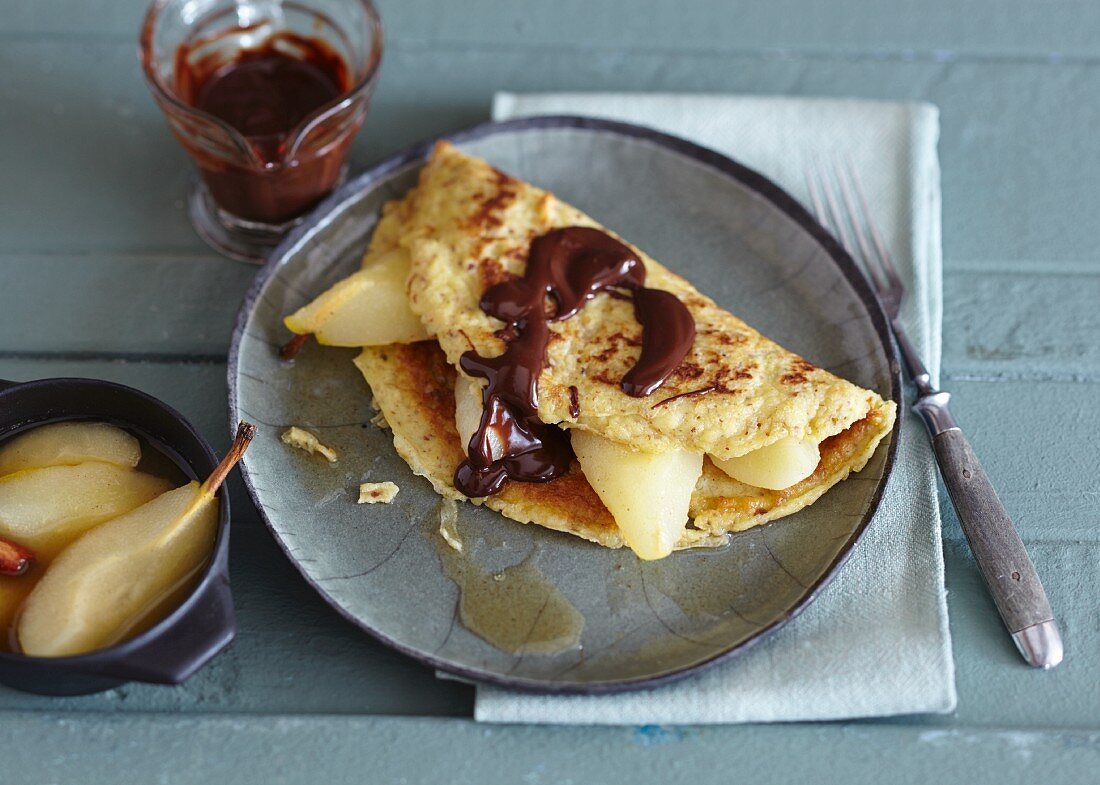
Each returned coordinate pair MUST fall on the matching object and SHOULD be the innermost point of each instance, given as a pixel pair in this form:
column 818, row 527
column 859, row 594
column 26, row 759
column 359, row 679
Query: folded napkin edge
column 504, row 101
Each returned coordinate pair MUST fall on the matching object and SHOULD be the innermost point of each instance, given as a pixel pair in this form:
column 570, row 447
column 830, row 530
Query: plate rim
column 759, row 184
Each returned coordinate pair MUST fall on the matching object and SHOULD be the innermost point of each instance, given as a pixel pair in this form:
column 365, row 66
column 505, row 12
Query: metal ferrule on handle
column 931, row 403
column 932, row 408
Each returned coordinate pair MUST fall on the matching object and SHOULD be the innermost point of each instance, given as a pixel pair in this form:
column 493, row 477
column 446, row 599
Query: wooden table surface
column 102, row 276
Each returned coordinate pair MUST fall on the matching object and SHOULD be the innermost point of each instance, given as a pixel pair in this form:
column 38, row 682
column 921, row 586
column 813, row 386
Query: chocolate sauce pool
column 565, row 269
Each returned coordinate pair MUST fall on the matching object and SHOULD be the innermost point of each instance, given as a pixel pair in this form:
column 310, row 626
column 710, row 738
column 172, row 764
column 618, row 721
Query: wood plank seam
column 144, row 358
column 419, row 45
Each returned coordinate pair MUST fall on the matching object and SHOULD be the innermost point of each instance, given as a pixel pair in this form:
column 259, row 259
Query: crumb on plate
column 379, row 421
column 377, row 492
column 304, row 440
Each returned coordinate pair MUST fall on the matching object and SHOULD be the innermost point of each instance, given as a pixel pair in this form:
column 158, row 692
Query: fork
column 994, row 541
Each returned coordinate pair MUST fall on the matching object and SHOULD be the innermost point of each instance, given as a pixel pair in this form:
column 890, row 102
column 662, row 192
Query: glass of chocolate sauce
column 266, row 97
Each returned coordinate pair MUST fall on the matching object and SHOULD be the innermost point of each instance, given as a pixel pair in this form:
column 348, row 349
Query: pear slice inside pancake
column 413, row 386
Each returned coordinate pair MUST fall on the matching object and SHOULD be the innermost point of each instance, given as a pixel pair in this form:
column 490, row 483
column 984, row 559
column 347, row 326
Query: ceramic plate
column 740, row 240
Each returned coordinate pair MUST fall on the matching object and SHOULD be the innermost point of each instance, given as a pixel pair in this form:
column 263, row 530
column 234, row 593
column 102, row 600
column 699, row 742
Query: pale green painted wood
column 995, row 690
column 115, row 180
column 104, row 304
column 354, row 750
column 1035, row 438
column 1051, row 332
column 874, row 28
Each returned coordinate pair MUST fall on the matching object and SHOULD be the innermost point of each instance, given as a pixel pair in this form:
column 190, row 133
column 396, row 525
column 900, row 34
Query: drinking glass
column 251, row 190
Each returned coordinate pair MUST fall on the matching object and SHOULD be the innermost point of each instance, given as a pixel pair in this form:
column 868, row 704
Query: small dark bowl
column 204, row 624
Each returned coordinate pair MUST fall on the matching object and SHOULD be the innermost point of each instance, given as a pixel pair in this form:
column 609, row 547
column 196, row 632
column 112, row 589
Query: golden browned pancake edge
column 413, row 387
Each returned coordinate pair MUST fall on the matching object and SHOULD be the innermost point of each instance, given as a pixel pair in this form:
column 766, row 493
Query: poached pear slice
column 776, row 466
column 468, row 409
column 110, row 581
column 648, row 494
column 67, row 444
column 43, row 509
column 368, row 308
column 107, row 581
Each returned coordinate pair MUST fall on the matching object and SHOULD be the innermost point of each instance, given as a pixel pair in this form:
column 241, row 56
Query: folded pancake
column 736, row 394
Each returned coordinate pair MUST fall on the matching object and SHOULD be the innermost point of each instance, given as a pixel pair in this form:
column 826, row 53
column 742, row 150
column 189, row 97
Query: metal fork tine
column 815, row 198
column 870, row 262
column 884, row 257
column 834, row 210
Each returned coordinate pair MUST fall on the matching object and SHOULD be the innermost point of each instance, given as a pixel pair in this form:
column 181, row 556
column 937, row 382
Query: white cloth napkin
column 876, row 641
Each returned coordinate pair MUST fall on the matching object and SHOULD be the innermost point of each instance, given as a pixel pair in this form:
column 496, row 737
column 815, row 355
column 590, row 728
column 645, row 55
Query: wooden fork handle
column 998, row 550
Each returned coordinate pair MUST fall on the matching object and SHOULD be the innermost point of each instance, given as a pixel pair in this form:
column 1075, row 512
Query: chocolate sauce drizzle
column 688, row 394
column 565, row 269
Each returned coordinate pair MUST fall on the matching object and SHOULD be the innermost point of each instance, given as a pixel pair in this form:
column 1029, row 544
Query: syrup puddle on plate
column 517, row 610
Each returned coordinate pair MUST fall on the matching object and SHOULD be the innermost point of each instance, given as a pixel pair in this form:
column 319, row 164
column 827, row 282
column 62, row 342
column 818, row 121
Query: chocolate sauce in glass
column 266, row 93
column 565, row 269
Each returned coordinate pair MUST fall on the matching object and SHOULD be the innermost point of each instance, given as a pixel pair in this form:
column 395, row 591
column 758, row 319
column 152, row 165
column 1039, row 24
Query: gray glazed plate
column 740, row 240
